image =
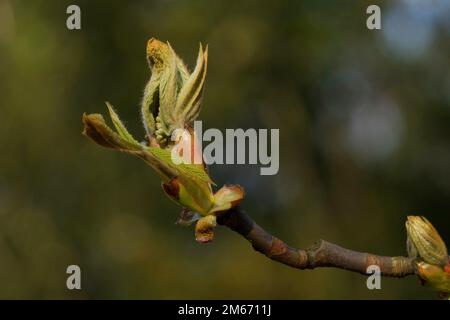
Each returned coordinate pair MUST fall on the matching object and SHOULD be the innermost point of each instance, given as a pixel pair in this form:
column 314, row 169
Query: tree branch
column 321, row 254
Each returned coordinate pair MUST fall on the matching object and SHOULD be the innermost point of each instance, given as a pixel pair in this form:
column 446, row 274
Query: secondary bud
column 204, row 229
column 433, row 276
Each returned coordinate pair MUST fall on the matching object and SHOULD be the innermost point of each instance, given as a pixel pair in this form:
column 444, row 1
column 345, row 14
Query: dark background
column 364, row 141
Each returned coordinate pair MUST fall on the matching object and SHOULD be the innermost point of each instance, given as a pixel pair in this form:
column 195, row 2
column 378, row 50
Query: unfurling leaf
column 188, row 102
column 170, row 104
column 150, row 105
column 172, row 96
column 168, row 89
column 120, row 127
column 96, row 128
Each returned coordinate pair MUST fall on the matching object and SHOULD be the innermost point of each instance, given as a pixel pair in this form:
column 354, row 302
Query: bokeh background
column 364, row 119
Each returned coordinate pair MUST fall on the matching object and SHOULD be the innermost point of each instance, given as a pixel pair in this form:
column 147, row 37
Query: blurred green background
column 364, row 120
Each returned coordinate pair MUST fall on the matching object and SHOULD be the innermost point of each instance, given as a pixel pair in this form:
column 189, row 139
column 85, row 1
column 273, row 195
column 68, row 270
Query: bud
column 434, row 276
column 204, row 229
column 426, row 247
column 96, row 129
column 424, row 242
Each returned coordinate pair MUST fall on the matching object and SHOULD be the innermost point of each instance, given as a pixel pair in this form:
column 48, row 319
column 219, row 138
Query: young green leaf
column 193, row 171
column 120, row 127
